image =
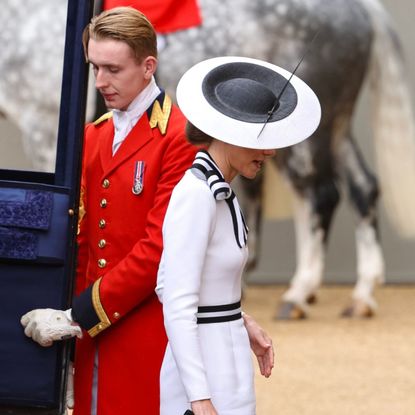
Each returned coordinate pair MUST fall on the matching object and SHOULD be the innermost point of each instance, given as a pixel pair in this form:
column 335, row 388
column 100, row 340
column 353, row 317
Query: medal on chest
column 138, row 182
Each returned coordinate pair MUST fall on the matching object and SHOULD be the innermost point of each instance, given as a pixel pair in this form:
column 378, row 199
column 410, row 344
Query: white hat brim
column 296, row 127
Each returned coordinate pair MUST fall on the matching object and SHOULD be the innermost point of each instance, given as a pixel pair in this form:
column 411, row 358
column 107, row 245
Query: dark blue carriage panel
column 31, row 224
column 35, row 230
column 38, row 222
column 28, row 371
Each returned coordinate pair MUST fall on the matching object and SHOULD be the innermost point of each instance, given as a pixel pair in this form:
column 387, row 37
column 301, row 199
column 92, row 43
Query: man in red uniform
column 133, row 157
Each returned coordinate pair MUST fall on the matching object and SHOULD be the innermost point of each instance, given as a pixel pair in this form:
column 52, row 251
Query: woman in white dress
column 240, row 109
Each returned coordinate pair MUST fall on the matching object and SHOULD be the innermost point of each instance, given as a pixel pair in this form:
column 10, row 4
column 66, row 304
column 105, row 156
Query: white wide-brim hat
column 230, row 99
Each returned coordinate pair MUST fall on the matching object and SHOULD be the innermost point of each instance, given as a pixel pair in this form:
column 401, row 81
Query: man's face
column 119, row 77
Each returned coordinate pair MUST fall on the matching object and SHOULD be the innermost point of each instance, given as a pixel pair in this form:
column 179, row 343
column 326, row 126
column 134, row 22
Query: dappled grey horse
column 355, row 40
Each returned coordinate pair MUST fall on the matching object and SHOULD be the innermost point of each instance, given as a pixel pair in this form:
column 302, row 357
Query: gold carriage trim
column 99, row 309
column 102, row 118
column 81, row 211
column 160, row 117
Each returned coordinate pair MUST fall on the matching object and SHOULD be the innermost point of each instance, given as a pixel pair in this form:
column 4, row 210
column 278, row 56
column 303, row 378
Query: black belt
column 219, row 313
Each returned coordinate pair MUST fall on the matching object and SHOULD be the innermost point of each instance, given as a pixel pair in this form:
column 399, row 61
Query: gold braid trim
column 81, row 211
column 102, row 118
column 99, row 309
column 160, row 117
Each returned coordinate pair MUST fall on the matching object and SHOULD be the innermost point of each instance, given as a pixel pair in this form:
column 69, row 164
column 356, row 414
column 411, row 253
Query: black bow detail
column 221, row 191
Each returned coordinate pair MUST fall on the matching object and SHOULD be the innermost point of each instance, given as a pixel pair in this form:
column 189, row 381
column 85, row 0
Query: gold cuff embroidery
column 99, row 309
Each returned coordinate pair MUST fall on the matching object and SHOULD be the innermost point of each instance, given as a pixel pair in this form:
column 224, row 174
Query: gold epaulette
column 102, row 118
column 160, row 116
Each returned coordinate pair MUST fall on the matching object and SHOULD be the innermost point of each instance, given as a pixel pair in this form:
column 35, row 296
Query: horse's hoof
column 311, row 299
column 290, row 311
column 358, row 309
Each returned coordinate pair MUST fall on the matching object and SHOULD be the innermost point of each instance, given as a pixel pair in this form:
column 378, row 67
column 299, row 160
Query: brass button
column 102, row 243
column 105, row 183
column 102, row 263
column 103, row 203
column 102, row 223
column 100, row 326
column 116, row 315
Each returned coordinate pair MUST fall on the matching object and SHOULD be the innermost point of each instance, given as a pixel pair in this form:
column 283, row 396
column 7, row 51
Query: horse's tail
column 393, row 123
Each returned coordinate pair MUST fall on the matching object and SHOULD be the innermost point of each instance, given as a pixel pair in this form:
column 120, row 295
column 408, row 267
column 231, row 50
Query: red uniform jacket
column 120, row 244
column 165, row 15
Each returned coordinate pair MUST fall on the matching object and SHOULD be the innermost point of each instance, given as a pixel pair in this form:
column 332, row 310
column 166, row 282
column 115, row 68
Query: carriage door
column 38, row 223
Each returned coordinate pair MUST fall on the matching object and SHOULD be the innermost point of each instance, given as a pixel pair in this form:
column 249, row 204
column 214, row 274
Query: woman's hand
column 261, row 345
column 203, row 407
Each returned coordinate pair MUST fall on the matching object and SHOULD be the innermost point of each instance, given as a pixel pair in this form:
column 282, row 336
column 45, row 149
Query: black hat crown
column 248, row 92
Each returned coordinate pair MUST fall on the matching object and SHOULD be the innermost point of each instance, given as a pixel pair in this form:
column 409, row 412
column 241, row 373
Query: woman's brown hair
column 195, row 136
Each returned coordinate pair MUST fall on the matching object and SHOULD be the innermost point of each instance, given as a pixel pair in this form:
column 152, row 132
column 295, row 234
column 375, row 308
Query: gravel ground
column 331, row 366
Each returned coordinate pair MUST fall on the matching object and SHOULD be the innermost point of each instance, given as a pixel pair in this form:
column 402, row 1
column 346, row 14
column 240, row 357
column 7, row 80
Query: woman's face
column 247, row 161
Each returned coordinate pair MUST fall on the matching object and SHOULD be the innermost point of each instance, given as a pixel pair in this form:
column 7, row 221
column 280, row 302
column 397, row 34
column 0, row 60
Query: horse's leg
column 316, row 199
column 364, row 191
column 250, row 197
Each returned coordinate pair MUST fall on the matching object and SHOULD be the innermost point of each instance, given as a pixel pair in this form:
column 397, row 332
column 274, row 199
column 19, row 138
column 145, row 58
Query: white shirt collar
column 124, row 121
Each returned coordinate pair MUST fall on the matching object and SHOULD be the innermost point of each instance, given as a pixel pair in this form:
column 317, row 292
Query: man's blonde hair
column 125, row 24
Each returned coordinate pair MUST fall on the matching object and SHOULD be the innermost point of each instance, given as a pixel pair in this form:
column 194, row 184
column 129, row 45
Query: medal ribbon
column 138, row 177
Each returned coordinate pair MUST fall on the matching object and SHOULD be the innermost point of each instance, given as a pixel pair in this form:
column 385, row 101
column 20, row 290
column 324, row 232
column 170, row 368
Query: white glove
column 46, row 325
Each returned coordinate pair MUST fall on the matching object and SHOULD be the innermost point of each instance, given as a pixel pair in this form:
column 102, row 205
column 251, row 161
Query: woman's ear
column 150, row 66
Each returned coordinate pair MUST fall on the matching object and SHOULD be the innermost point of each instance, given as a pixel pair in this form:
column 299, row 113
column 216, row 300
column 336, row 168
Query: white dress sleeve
column 188, row 224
